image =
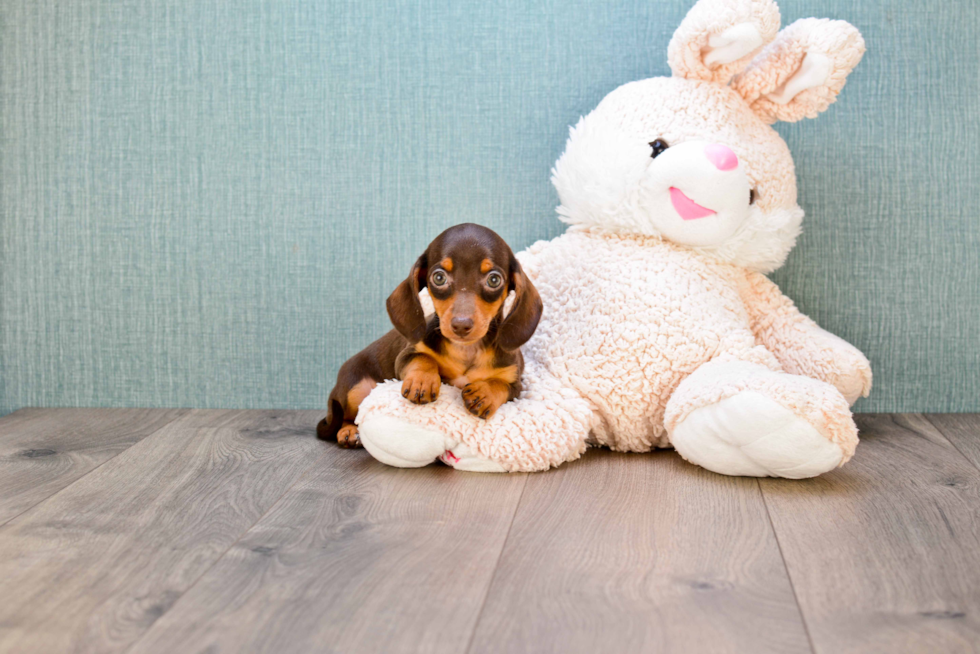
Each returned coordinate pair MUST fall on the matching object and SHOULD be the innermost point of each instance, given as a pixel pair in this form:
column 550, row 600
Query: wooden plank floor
column 236, row 531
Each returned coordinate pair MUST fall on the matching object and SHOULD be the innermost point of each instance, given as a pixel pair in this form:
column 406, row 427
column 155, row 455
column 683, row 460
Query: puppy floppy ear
column 404, row 307
column 519, row 325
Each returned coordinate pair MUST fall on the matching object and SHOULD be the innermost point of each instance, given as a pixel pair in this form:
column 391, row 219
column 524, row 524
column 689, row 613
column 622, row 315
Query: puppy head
column 469, row 270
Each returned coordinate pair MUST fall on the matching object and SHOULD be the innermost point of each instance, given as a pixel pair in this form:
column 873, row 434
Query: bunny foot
column 751, row 435
column 743, row 419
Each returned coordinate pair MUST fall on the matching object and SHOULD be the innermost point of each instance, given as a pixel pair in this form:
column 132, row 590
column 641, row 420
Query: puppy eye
column 439, row 278
column 494, row 280
column 753, row 196
column 658, row 147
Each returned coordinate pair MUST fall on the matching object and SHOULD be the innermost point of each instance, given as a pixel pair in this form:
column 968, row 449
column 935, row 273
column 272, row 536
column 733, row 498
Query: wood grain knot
column 36, row 454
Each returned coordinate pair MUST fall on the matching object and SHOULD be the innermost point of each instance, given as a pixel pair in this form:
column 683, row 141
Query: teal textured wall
column 206, row 203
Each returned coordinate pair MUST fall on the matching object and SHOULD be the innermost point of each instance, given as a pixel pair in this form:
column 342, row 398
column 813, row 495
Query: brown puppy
column 469, row 343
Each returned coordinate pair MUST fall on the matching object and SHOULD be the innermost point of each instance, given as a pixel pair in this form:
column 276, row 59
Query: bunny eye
column 753, row 196
column 658, row 147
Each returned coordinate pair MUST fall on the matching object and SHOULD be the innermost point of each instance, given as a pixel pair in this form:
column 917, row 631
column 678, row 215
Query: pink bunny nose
column 723, row 158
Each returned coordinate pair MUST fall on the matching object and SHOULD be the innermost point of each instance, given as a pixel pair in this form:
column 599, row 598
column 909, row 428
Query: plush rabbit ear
column 718, row 38
column 802, row 71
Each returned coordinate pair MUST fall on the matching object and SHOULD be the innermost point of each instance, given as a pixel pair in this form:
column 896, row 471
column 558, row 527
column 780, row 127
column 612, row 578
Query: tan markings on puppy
column 449, row 364
column 486, row 311
column 483, row 313
column 486, row 266
column 356, row 395
column 507, row 375
column 483, row 398
column 462, row 364
column 421, row 380
column 447, row 264
column 347, row 436
column 444, row 309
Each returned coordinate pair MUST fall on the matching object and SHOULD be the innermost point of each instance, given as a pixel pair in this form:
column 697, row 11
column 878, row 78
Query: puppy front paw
column 421, row 387
column 482, row 399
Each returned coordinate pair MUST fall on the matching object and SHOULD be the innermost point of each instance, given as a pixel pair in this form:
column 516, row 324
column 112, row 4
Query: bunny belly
column 626, row 320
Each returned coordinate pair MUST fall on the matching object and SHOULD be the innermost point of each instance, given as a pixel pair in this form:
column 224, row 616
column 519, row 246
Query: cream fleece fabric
column 659, row 328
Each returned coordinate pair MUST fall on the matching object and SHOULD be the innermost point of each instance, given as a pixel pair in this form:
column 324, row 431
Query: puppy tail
column 326, row 429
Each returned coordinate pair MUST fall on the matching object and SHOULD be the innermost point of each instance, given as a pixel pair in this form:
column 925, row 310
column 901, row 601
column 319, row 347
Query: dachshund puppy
column 468, row 342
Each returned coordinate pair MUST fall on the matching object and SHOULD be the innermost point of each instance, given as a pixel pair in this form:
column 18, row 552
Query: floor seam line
column 496, row 567
column 223, row 554
column 951, row 443
column 789, row 576
column 75, row 481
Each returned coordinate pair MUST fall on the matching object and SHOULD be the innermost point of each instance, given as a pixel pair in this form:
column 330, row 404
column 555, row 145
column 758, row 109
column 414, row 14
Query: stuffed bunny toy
column 660, row 328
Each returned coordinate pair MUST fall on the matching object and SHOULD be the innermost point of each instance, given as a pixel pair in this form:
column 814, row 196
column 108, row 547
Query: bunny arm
column 801, row 346
column 545, row 427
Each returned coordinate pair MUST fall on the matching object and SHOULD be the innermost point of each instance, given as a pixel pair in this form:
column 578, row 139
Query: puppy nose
column 462, row 326
column 722, row 157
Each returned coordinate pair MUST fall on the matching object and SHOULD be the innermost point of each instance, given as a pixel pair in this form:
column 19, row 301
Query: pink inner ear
column 686, row 207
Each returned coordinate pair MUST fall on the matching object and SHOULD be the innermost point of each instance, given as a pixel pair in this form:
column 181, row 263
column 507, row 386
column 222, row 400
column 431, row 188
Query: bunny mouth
column 686, row 207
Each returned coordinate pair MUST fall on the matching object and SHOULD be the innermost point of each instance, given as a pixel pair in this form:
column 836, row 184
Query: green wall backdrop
column 205, row 203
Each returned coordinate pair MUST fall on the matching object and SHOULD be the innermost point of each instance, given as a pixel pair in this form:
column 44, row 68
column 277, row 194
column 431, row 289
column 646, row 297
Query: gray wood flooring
column 164, row 531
